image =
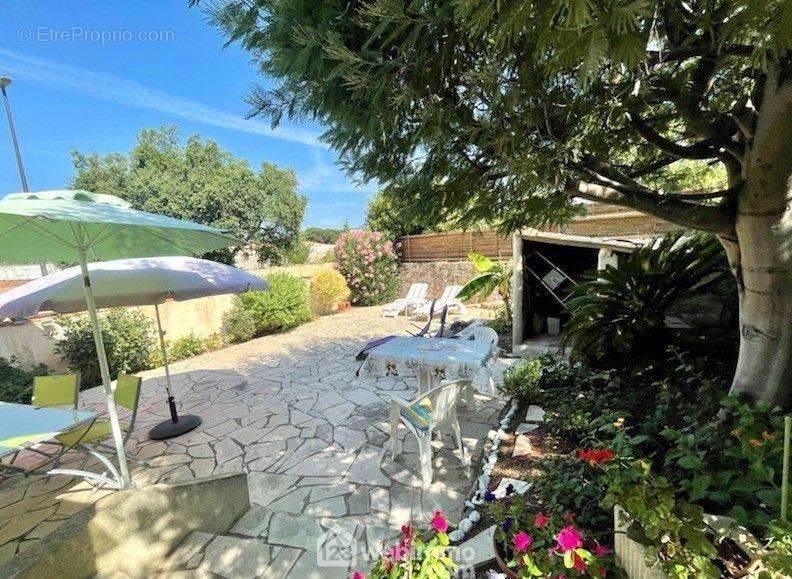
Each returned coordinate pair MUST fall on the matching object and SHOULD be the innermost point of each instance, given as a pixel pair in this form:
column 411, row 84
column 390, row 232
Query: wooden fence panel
column 455, row 245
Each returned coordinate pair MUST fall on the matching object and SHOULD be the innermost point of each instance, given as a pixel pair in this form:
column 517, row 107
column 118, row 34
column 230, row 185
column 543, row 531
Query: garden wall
column 33, row 343
column 437, row 274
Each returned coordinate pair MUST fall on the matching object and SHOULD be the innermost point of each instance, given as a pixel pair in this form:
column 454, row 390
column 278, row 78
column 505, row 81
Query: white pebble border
column 495, row 436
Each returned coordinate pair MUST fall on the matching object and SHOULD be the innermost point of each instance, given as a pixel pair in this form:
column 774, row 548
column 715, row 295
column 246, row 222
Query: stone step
column 267, row 543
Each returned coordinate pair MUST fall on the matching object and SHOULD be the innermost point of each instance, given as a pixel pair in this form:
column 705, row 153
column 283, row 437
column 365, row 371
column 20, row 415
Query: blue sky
column 88, row 75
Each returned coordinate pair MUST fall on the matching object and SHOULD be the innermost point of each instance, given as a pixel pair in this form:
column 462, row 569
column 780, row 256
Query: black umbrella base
column 170, row 429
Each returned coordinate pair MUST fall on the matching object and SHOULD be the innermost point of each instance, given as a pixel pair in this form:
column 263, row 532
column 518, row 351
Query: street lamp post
column 4, row 82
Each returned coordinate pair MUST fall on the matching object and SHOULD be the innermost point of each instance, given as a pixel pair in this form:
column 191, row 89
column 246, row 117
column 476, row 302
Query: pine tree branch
column 715, row 219
column 650, row 168
column 706, row 149
column 677, row 54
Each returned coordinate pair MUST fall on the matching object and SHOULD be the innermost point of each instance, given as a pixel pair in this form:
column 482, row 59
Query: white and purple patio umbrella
column 132, row 282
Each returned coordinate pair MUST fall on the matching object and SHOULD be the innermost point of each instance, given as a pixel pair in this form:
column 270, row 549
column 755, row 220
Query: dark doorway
column 538, row 302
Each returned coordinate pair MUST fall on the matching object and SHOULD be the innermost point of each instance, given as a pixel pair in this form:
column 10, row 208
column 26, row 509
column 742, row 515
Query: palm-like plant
column 493, row 276
column 622, row 310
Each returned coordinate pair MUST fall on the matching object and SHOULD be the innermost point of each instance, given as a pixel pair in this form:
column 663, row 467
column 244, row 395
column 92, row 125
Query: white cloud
column 115, row 89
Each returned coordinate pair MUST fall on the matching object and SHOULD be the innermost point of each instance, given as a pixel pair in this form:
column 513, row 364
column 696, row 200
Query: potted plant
column 534, row 544
column 659, row 534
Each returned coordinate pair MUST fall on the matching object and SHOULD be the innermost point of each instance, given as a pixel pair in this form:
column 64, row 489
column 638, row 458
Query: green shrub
column 328, row 287
column 16, row 384
column 502, row 320
column 239, row 324
column 129, row 340
column 521, row 381
column 298, row 253
column 186, row 346
column 368, row 262
column 284, row 305
column 619, row 313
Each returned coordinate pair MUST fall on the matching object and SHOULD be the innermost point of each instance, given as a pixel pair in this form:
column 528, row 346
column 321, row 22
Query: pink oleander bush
column 417, row 553
column 368, row 262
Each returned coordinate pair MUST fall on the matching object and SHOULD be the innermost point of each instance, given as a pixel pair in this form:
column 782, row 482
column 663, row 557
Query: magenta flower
column 601, row 550
column 358, row 575
column 407, row 531
column 439, row 522
column 541, row 520
column 522, row 541
column 569, row 538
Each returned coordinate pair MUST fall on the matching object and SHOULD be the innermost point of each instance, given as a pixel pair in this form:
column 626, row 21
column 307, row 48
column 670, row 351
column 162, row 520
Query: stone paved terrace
column 289, row 410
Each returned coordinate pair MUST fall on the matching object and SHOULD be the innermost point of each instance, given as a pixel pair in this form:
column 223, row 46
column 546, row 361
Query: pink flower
column 569, row 538
column 522, row 541
column 397, row 552
column 439, row 522
column 601, row 550
column 358, row 575
column 541, row 520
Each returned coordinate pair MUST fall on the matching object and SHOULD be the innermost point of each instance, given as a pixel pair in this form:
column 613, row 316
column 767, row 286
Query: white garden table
column 23, row 426
column 433, row 360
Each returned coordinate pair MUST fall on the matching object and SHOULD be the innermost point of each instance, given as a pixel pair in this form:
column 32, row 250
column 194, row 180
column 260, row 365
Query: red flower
column 601, row 571
column 578, row 563
column 596, row 455
column 541, row 520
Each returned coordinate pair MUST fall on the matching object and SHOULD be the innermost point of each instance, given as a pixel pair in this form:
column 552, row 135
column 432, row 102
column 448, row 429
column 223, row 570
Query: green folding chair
column 57, row 390
column 89, row 438
column 60, row 390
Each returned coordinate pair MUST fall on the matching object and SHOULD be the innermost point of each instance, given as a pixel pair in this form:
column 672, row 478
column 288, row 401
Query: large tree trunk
column 762, row 258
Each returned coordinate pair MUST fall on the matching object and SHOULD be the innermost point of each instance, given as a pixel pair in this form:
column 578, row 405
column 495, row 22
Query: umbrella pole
column 104, row 370
column 177, row 424
column 164, row 350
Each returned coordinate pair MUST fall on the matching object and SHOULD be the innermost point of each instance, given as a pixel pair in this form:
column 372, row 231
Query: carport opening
column 559, row 267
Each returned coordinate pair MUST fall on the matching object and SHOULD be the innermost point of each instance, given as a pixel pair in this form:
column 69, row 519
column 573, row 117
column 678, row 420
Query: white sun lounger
column 448, row 299
column 415, row 297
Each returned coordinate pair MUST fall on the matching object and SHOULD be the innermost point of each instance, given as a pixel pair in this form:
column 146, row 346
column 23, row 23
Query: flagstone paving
column 289, row 410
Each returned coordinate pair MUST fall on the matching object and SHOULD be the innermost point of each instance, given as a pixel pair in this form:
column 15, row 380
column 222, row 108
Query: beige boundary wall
column 34, row 342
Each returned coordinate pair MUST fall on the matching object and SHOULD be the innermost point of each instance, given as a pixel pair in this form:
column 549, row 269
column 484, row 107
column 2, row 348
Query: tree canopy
column 325, row 235
column 505, row 111
column 204, row 183
column 501, row 109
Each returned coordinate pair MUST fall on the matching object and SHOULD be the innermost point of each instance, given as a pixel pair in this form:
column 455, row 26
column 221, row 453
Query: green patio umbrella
column 82, row 226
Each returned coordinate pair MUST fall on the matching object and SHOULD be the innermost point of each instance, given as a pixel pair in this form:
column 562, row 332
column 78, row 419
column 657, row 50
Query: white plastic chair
column 416, row 296
column 489, row 336
column 447, row 300
column 433, row 412
column 466, row 333
column 485, row 334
